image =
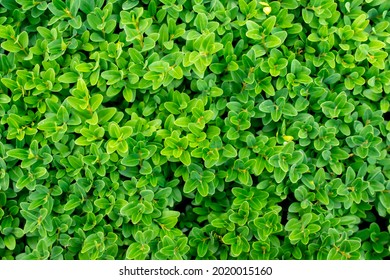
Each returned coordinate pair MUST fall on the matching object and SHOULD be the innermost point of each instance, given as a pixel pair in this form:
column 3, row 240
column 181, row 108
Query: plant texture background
column 174, row 129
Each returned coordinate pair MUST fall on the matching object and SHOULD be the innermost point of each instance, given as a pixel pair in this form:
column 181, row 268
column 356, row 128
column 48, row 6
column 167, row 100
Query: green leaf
column 114, row 130
column 92, row 241
column 11, row 46
column 68, row 78
column 131, row 160
column 203, row 188
column 289, row 110
column 202, row 248
column 190, row 186
column 10, row 242
column 269, row 24
column 279, row 175
column 159, row 66
column 24, row 181
column 229, row 151
column 112, row 76
column 102, row 203
column 185, row 158
column 176, row 72
column 137, row 251
column 232, row 134
column 384, row 198
column 18, row 153
column 229, row 238
column 148, row 44
column 236, row 248
column 72, row 203
column 307, row 15
column 4, row 99
column 146, row 168
column 267, row 106
column 136, row 56
column 169, row 218
column 39, row 172
column 95, row 102
column 272, row 41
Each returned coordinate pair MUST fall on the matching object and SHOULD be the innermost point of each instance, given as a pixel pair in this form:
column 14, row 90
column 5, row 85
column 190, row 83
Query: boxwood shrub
column 202, row 129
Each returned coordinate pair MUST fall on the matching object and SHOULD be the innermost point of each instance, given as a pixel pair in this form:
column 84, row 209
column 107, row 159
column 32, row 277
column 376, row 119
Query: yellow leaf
column 267, row 10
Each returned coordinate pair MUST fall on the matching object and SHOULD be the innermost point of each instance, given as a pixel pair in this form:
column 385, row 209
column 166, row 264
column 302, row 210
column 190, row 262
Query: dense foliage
column 174, row 129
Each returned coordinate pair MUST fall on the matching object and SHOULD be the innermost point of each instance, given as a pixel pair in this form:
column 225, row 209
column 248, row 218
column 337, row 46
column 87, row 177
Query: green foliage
column 218, row 129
